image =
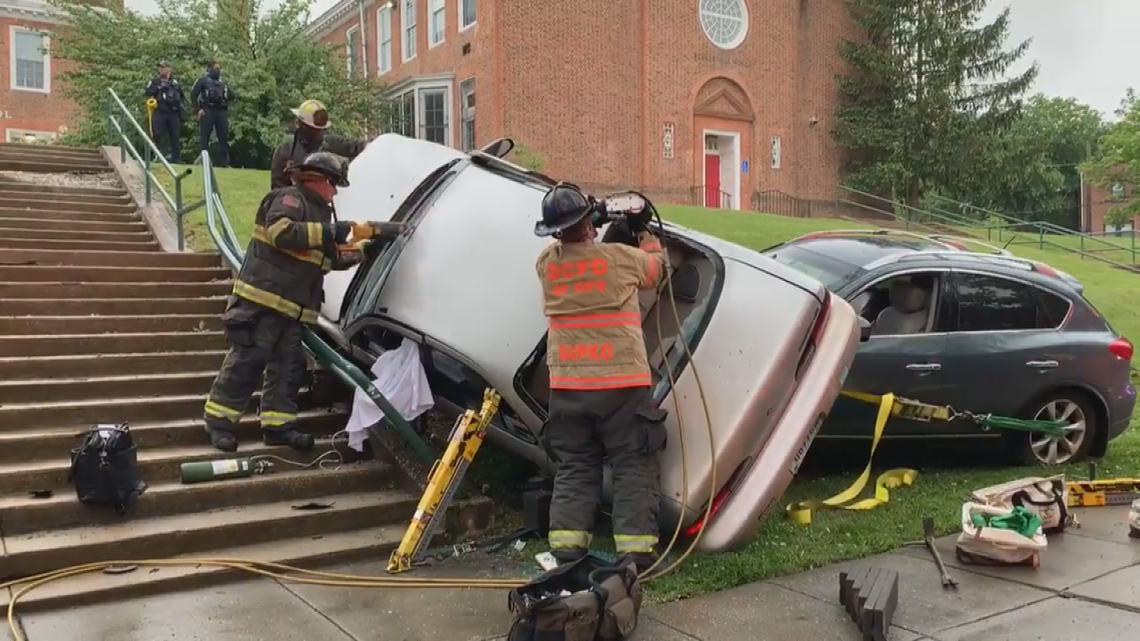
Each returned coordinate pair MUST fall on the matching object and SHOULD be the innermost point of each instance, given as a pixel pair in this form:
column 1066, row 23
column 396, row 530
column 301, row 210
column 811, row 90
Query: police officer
column 166, row 121
column 212, row 96
column 600, row 403
column 309, row 136
column 277, row 291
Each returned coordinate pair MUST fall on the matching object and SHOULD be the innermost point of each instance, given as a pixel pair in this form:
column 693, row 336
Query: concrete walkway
column 1088, row 587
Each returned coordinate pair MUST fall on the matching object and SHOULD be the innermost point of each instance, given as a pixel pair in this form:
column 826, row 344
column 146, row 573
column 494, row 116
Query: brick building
column 33, row 107
column 692, row 100
column 1096, row 203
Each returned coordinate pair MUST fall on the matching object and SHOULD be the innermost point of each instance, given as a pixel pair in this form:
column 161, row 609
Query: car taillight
column 1122, row 348
column 717, row 503
column 821, row 319
column 1047, row 270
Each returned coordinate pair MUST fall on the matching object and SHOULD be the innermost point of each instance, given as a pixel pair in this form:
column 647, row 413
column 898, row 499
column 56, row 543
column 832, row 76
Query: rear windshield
column 830, row 271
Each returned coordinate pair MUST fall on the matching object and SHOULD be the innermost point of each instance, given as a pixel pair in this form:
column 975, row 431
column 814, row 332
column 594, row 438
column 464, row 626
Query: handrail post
column 178, row 214
column 107, row 115
column 1132, row 237
column 146, row 172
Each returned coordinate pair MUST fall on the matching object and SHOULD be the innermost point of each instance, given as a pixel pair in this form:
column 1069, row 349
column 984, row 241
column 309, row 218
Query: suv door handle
column 923, row 367
column 1042, row 364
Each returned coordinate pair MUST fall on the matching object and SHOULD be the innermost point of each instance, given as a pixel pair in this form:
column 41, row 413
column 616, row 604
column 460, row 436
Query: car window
column 453, row 380
column 830, row 271
column 1052, row 309
column 915, row 306
column 991, row 303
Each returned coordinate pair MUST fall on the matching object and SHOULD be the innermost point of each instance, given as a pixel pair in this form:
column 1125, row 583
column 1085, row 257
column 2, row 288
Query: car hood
column 380, row 179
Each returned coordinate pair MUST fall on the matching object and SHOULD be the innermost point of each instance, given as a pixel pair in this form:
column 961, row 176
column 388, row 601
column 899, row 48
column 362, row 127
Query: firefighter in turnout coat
column 278, row 290
column 308, row 137
column 600, row 402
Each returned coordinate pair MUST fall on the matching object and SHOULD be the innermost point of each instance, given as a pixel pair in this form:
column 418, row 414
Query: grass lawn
column 783, row 547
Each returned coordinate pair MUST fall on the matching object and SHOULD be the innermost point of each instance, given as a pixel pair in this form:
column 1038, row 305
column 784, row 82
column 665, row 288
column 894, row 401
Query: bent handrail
column 227, row 243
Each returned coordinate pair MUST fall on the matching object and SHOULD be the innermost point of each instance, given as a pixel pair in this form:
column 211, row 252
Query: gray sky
column 1081, row 45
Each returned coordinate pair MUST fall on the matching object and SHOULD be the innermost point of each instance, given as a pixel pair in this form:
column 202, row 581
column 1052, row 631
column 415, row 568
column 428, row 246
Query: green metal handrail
column 117, row 135
column 227, row 243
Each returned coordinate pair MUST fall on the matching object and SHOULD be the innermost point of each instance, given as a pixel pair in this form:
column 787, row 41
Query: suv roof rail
column 1001, row 251
column 860, row 232
column 1008, row 260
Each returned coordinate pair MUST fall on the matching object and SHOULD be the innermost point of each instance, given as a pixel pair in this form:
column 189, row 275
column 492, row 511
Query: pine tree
column 928, row 87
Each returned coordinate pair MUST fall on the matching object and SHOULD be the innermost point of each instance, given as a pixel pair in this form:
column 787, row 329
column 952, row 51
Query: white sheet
column 400, row 377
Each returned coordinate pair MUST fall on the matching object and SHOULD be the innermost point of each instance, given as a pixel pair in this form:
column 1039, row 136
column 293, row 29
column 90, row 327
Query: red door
column 712, row 181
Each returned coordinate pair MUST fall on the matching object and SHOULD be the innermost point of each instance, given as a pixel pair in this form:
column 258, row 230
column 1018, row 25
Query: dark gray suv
column 987, row 333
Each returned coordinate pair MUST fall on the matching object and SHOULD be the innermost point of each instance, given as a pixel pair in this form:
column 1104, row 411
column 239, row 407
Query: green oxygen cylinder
column 203, row 471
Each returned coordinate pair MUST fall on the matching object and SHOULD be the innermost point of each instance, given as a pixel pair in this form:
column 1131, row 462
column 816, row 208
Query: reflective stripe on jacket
column 589, row 291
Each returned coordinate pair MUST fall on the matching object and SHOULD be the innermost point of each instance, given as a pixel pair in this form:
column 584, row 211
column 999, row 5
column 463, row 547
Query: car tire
column 1069, row 404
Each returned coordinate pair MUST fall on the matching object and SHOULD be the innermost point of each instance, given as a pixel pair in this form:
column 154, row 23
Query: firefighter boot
column 222, row 438
column 294, row 439
column 643, row 560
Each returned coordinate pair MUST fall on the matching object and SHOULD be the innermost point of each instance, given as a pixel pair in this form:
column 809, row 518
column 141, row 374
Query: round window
column 725, row 22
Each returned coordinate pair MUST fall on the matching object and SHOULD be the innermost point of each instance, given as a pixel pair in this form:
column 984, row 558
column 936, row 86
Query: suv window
column 991, row 303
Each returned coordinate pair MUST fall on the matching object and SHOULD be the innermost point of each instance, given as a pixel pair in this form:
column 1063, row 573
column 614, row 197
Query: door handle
column 1042, row 364
column 923, row 367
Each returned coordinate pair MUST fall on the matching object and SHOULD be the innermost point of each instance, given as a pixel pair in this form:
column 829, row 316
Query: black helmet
column 562, row 208
column 326, row 163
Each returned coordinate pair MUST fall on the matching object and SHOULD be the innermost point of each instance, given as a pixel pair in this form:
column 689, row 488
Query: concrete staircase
column 97, row 324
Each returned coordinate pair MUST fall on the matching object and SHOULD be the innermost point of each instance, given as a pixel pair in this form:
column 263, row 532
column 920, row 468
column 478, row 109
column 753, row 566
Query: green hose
column 1050, row 428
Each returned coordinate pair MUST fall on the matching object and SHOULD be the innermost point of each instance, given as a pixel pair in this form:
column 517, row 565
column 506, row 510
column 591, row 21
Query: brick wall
column 1100, row 200
column 26, row 110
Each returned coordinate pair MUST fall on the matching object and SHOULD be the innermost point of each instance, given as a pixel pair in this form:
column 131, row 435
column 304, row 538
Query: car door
column 1003, row 350
column 909, row 365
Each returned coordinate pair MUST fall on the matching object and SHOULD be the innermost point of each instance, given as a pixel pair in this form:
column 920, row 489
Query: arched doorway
column 722, row 127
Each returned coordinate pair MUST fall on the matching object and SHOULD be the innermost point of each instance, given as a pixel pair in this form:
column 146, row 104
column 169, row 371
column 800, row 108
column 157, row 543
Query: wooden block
column 870, row 596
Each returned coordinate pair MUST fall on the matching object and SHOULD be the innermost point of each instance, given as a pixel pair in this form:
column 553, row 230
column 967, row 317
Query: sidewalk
column 1088, row 587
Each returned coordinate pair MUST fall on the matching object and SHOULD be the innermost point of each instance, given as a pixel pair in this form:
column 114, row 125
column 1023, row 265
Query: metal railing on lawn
column 774, row 201
column 125, row 132
column 702, row 195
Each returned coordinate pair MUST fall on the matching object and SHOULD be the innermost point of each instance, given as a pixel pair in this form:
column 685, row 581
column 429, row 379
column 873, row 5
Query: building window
column 425, row 113
column 408, row 20
column 725, row 22
column 1117, row 191
column 467, row 115
column 405, row 115
column 31, row 63
column 466, row 13
column 352, row 49
column 438, row 22
column 384, row 40
column 433, row 115
column 31, row 137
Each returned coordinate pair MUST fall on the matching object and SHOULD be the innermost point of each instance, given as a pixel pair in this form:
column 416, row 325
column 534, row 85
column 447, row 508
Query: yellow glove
column 364, row 231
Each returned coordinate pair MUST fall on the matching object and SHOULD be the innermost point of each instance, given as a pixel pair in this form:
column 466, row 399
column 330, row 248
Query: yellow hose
column 282, row 572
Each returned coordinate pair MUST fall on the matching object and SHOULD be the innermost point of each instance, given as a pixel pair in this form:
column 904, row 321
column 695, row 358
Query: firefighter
column 277, row 291
column 309, row 136
column 600, row 402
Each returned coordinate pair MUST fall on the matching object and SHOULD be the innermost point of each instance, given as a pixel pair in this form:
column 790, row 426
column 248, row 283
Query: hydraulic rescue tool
column 443, row 482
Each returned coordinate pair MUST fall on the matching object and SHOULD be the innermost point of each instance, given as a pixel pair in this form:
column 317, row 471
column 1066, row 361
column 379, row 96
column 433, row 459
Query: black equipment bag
column 105, row 468
column 585, row 600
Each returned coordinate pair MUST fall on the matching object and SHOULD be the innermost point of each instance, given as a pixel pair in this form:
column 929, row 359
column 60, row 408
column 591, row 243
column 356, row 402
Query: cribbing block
column 870, row 595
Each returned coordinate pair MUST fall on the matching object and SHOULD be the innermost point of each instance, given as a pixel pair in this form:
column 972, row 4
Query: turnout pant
column 261, row 341
column 217, row 120
column 587, row 428
column 166, row 129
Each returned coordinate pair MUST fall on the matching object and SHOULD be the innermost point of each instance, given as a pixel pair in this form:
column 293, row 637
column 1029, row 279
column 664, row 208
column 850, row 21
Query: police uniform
column 166, row 121
column 212, row 97
column 600, row 401
column 309, row 137
column 277, row 291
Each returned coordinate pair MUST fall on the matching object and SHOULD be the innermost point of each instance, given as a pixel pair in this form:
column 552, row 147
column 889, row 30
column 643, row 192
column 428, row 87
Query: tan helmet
column 313, row 114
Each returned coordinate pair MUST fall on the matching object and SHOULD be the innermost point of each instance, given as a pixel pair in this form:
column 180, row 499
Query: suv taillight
column 1122, row 348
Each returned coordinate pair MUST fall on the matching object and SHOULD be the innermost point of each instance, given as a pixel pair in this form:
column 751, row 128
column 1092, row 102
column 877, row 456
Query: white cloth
column 400, row 377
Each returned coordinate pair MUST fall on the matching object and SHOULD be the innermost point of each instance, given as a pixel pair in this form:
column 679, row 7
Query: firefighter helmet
column 563, row 207
column 312, row 113
column 327, row 164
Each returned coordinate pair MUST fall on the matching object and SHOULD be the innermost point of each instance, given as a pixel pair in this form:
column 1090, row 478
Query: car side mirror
column 864, row 329
column 499, row 148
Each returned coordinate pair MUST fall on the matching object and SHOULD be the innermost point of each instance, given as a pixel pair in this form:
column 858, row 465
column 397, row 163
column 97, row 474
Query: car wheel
column 1075, row 409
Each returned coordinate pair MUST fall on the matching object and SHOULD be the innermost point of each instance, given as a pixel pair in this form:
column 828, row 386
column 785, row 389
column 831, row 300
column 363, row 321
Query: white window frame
column 22, row 133
column 460, row 4
column 12, row 31
column 408, row 24
column 418, row 89
column 437, row 10
column 466, row 115
column 352, row 57
column 383, row 17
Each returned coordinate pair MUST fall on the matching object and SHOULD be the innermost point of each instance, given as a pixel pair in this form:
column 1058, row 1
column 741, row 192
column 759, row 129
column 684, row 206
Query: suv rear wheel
column 1074, row 408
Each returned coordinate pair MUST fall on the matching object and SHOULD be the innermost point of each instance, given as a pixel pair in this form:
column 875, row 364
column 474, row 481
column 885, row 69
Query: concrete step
column 151, row 291
column 62, row 274
column 35, row 233
column 29, row 152
column 82, row 414
column 44, row 257
column 73, row 366
column 308, row 552
column 11, row 184
column 126, row 385
column 23, row 514
column 51, row 150
column 37, row 456
column 202, row 532
column 120, row 198
column 76, row 344
column 53, row 165
column 51, row 204
column 54, row 325
column 56, row 227
column 7, row 243
column 61, row 215
column 83, row 307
